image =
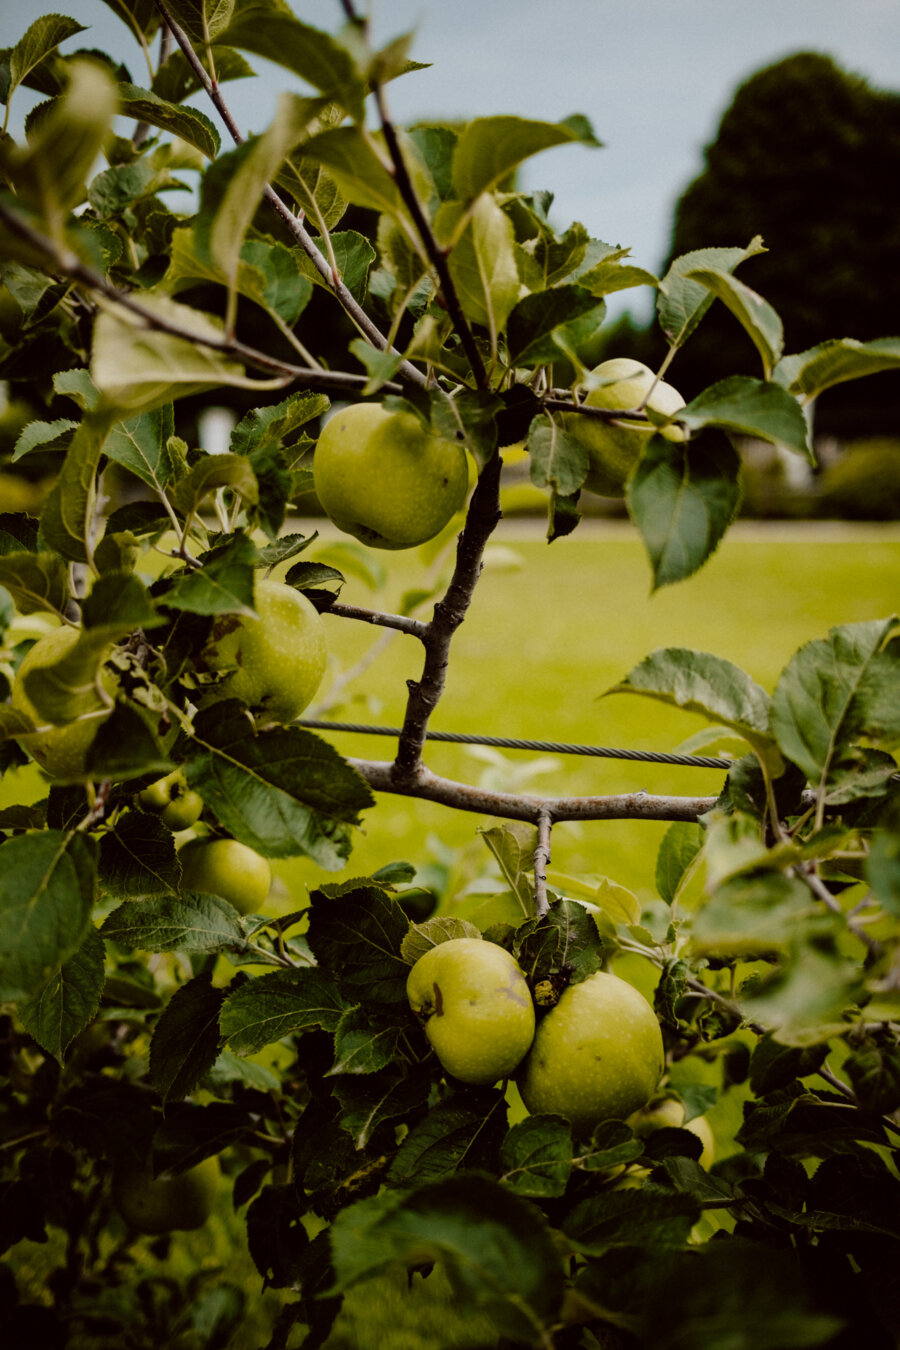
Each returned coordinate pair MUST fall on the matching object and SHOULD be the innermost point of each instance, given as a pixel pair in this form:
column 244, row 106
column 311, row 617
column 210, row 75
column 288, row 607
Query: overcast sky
column 653, row 76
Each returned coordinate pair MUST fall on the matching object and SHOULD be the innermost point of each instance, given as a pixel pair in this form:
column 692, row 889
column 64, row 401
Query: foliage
column 146, row 1022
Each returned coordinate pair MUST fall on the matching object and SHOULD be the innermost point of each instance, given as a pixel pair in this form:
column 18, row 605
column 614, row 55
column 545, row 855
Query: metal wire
column 508, row 743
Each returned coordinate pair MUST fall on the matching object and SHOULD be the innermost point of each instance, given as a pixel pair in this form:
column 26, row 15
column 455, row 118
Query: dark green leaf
column 362, row 1047
column 186, row 1039
column 748, row 407
column 358, row 936
column 190, row 923
column 277, row 1240
column 464, row 1132
column 55, row 1014
column 187, row 123
column 223, row 585
column 563, row 941
column 281, row 1004
column 558, row 459
column 640, row 1217
column 47, row 891
column 137, row 857
column 682, row 303
column 369, row 1101
column 490, row 148
column 536, row 1156
column 36, row 581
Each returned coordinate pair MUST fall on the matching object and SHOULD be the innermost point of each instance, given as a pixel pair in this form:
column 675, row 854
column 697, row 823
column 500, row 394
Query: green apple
column 597, row 1055
column 161, row 1205
column 60, row 751
column 384, row 478
column 227, row 868
column 173, row 801
column 614, row 448
column 276, row 659
column 476, row 1006
column 668, row 1112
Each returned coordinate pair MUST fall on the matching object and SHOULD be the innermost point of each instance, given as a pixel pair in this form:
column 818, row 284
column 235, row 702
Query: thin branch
column 436, row 255
column 541, row 860
column 340, row 291
column 421, row 782
column 401, row 622
column 68, row 264
column 821, row 892
column 481, row 519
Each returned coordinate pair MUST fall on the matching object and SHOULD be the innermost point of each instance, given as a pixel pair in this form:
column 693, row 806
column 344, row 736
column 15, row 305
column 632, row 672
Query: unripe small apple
column 668, row 1112
column 597, row 1055
column 177, row 805
column 476, row 1006
column 227, row 868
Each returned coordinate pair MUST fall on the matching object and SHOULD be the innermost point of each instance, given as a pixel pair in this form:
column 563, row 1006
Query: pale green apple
column 614, row 448
column 164, row 1204
column 597, row 1055
column 278, row 657
column 60, row 751
column 227, row 868
column 668, row 1112
column 477, row 1008
column 384, row 478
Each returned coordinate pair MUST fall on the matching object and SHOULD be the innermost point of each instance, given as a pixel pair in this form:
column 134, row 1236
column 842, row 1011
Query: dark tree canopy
column 808, row 156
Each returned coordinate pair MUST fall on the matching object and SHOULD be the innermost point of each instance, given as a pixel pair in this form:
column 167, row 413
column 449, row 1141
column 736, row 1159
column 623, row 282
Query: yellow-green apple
column 615, row 447
column 162, row 1204
column 61, row 751
column 227, row 868
column 476, row 1006
column 597, row 1055
column 276, row 659
column 384, row 478
column 173, row 801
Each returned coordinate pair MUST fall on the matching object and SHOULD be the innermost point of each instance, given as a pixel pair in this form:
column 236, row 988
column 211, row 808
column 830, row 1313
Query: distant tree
column 803, row 156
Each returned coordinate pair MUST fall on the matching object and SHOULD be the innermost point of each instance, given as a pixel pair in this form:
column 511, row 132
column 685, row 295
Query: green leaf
column 38, row 42
column 67, row 517
column 681, row 844
column 834, row 691
column 496, row 1249
column 557, row 460
column 682, row 303
column 805, row 1002
column 874, row 1072
column 185, row 1043
column 758, row 915
column 141, row 446
column 271, row 31
column 137, row 368
column 118, row 603
column 489, row 149
column 380, row 366
column 774, row 1066
column 562, row 941
column 749, row 407
column 362, row 1047
column 811, row 372
column 757, row 317
column 186, row 123
column 709, row 685
column 536, row 1157
column 482, row 261
column 168, row 923
column 202, row 20
column 513, row 845
column 535, row 318
column 358, row 936
column 370, row 1100
column 176, row 80
column 282, row 791
column 682, row 497
column 360, row 174
column 47, row 889
column 36, row 581
column 224, row 584
column 126, row 746
column 277, row 423
column 613, row 275
column 883, row 865
column 55, row 1014
column 44, row 436
column 645, row 1217
column 462, row 1132
column 284, row 1003
column 442, row 928
column 137, row 857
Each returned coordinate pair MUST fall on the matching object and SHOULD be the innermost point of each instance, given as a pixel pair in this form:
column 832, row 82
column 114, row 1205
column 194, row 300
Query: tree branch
column 449, row 612
column 400, row 622
column 337, row 287
column 541, row 859
column 421, row 782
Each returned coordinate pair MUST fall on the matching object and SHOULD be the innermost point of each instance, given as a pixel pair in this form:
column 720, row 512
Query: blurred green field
column 553, row 627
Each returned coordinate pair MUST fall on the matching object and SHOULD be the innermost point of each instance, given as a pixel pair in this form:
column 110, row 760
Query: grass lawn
column 553, row 627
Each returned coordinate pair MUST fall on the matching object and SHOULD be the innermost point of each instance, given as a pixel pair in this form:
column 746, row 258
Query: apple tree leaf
column 558, row 459
column 47, row 891
column 188, row 124
column 369, row 1100
column 490, row 148
column 749, row 407
column 168, row 923
column 56, row 1013
column 562, row 941
column 360, row 1046
column 36, row 581
column 681, row 302
column 279, row 1004
column 186, row 1039
column 358, row 936
column 810, row 373
column 137, row 857
column 680, row 846
column 756, row 315
column 536, row 1157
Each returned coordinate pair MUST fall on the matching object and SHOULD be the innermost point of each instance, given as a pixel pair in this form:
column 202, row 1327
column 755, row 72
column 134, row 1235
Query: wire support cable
column 510, row 743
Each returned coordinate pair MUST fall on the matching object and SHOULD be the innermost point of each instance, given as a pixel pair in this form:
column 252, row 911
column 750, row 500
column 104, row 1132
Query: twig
column 821, row 892
column 541, row 859
column 402, row 623
column 332, row 280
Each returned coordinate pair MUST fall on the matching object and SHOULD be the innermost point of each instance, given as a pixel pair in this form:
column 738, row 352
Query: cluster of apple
column 596, row 1055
